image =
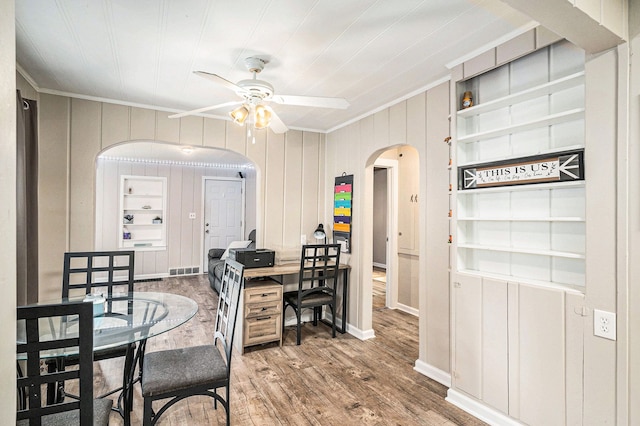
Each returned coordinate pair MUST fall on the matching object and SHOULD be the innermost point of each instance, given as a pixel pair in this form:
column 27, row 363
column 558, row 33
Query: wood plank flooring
column 324, row 381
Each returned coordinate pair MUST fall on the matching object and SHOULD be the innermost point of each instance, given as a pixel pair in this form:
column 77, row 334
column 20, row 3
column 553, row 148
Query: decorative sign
column 343, row 191
column 561, row 167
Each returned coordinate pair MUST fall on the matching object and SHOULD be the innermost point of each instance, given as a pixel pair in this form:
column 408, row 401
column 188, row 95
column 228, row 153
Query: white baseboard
column 360, row 334
column 480, row 410
column 380, row 265
column 432, row 372
column 407, row 309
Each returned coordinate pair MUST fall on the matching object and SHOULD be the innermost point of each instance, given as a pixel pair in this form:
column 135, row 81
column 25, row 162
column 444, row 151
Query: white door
column 223, row 214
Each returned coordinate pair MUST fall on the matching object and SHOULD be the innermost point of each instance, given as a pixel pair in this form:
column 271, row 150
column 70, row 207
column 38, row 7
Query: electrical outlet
column 192, row 215
column 604, row 324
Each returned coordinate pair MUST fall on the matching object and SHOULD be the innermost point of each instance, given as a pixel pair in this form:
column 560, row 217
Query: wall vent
column 184, row 270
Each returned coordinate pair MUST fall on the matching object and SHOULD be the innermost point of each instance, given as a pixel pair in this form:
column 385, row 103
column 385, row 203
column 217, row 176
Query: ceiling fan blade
column 220, row 80
column 208, row 108
column 276, row 124
column 311, row 101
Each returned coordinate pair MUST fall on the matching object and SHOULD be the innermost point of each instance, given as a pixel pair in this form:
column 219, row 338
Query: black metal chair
column 108, row 272
column 31, row 410
column 317, row 280
column 198, row 370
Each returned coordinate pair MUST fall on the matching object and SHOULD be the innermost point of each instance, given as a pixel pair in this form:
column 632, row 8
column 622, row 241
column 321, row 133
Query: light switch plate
column 604, row 324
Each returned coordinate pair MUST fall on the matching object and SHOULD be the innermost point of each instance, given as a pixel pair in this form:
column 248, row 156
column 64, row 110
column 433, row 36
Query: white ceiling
column 144, row 52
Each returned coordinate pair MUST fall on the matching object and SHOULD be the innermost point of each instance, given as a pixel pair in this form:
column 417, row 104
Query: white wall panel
column 381, row 128
column 311, row 188
column 398, row 123
column 85, row 143
column 541, row 340
column 167, row 129
column 274, row 204
column 292, row 192
column 143, row 124
column 52, row 192
column 115, row 124
column 516, row 47
column 236, row 138
column 435, row 205
column 191, row 130
column 495, row 361
column 214, row 133
column 467, row 321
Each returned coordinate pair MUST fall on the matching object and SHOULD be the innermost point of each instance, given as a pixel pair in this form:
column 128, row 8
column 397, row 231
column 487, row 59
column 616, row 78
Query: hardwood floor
column 324, row 381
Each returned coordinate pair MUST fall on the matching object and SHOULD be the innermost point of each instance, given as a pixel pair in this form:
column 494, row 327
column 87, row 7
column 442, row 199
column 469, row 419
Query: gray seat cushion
column 177, row 369
column 101, row 412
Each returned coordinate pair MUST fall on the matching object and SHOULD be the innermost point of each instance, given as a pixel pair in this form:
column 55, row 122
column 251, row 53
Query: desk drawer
column 253, row 310
column 261, row 329
column 263, row 293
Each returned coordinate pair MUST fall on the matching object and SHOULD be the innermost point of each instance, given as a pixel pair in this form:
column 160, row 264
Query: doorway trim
column 392, row 230
column 203, row 255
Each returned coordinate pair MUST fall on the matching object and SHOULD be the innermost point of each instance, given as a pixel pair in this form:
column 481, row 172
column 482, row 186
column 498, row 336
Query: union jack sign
column 557, row 167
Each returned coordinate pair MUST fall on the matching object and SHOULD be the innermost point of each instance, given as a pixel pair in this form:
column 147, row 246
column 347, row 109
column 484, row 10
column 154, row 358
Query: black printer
column 253, row 258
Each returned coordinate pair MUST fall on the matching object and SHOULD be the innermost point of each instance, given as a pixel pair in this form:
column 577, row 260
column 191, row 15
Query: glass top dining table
column 121, row 319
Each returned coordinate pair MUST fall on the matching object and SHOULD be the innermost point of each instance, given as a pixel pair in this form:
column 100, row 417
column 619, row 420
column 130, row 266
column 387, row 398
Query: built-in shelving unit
column 531, row 233
column 142, row 213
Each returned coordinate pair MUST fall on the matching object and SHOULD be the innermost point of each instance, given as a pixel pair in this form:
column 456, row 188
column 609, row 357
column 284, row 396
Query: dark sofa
column 216, row 265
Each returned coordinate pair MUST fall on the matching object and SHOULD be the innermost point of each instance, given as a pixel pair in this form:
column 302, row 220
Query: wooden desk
column 277, row 273
column 293, row 269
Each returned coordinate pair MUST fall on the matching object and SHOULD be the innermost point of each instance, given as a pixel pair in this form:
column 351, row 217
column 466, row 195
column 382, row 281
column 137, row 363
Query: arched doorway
column 172, row 240
column 402, row 249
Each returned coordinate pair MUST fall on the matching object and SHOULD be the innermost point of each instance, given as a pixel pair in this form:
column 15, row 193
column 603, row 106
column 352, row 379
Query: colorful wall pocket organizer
column 342, row 211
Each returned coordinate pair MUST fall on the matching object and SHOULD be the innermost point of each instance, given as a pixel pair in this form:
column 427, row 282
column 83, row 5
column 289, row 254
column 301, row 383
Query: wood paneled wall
column 353, row 150
column 288, row 183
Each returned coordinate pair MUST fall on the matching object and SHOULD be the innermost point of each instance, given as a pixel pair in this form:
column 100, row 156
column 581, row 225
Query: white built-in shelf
column 522, row 219
column 531, row 187
column 549, row 88
column 537, row 252
column 508, row 232
column 136, row 192
column 548, row 120
column 578, row 290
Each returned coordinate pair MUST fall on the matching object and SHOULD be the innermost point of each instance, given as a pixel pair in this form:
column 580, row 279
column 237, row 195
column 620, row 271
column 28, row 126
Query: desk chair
column 108, row 272
column 86, row 410
column 198, row 370
column 318, row 275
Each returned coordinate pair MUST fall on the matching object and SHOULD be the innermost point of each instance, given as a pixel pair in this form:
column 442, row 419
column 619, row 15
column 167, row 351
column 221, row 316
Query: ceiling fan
column 256, row 95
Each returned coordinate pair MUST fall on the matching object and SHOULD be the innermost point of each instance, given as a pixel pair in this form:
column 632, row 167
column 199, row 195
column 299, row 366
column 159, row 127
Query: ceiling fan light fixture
column 262, row 117
column 240, row 114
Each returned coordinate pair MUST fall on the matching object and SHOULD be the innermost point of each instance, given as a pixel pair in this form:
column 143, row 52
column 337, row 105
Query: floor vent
column 187, row 270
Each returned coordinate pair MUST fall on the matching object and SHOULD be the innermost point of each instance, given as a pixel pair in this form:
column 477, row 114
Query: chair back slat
column 35, row 340
column 86, row 271
column 319, row 267
column 228, row 300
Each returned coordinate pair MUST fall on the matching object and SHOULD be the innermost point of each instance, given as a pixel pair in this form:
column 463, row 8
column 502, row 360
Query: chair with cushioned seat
column 33, row 341
column 87, row 272
column 319, row 264
column 198, row 370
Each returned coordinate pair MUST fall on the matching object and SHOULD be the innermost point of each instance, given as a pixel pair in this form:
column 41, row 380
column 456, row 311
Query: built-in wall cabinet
column 408, row 206
column 143, row 206
column 518, row 255
column 533, row 106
